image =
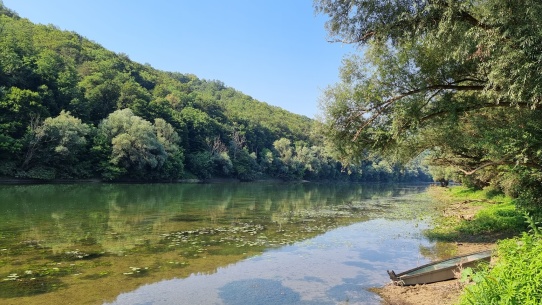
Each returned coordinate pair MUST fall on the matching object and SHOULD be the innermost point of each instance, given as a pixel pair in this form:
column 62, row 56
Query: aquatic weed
column 137, row 271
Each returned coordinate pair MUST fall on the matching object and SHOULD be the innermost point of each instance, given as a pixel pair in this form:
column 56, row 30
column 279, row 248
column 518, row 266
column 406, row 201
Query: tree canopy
column 459, row 78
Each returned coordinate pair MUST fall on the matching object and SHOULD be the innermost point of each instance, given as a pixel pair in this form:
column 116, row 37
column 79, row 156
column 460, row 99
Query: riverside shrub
column 516, row 277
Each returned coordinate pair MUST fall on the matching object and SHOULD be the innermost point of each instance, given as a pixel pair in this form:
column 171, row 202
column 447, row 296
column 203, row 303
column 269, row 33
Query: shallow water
column 258, row 243
column 336, row 267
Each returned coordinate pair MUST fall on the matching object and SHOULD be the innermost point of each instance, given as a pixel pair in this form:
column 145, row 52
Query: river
column 224, row 243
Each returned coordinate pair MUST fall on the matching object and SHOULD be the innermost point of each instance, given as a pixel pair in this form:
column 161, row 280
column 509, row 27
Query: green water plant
column 137, row 271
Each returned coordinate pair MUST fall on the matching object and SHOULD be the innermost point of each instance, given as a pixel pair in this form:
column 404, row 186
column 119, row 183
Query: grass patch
column 492, row 219
column 488, row 194
column 475, row 216
column 516, row 276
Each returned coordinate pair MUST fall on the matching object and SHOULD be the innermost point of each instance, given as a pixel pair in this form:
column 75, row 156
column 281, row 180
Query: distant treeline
column 70, row 109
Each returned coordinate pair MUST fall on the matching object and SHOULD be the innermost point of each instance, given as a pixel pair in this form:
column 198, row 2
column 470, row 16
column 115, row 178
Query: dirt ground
column 442, row 293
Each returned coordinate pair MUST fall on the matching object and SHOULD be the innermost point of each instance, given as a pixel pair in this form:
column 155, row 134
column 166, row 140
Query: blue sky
column 273, row 50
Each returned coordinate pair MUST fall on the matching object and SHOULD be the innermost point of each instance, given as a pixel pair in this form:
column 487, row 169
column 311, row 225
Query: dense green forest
column 70, row 109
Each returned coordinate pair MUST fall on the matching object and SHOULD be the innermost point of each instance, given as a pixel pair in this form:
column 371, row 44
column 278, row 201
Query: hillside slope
column 70, row 109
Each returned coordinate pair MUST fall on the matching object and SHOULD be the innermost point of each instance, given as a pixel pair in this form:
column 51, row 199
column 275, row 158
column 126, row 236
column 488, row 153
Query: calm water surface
column 254, row 243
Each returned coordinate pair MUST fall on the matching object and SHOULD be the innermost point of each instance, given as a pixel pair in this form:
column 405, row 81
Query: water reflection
column 116, row 216
column 333, row 268
column 94, row 241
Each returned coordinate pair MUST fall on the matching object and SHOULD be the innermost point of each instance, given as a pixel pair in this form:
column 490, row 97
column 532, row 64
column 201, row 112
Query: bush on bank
column 514, row 279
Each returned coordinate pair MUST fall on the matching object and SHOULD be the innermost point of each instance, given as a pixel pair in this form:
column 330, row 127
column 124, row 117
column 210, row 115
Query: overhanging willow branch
column 497, row 163
column 381, row 108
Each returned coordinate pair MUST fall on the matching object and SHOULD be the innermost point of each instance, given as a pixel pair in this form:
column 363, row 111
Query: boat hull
column 439, row 271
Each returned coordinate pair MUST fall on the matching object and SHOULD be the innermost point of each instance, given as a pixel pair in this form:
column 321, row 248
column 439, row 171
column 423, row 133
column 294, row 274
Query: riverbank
column 465, row 223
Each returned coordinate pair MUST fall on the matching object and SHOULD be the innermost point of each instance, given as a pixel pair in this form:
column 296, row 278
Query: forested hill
column 70, row 109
